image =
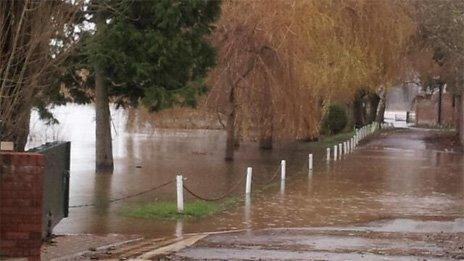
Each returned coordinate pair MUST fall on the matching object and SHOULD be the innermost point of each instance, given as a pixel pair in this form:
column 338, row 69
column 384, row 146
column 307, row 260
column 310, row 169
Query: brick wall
column 447, row 110
column 21, row 200
column 426, row 108
column 426, row 111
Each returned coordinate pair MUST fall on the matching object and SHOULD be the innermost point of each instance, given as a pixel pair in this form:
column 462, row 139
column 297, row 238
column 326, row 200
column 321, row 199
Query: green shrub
column 336, row 119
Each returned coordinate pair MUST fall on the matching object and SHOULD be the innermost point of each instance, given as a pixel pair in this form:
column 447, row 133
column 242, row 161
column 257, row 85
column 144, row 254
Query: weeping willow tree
column 281, row 62
column 364, row 50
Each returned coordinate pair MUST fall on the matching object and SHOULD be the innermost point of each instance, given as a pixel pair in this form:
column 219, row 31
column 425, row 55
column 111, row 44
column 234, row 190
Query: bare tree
column 35, row 36
column 439, row 49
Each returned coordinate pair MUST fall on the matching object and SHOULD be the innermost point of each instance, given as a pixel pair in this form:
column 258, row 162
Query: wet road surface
column 399, row 174
column 399, row 239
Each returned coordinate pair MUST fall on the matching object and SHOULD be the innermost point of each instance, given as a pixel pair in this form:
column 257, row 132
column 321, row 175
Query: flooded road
column 399, row 174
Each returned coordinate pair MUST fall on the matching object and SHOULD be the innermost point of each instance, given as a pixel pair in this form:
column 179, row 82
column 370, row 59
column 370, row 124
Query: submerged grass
column 168, row 209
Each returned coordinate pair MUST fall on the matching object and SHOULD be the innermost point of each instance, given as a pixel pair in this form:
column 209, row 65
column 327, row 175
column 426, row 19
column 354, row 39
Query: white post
column 344, row 148
column 328, row 154
column 248, row 181
column 340, row 149
column 282, row 170
column 335, row 152
column 310, row 163
column 180, row 194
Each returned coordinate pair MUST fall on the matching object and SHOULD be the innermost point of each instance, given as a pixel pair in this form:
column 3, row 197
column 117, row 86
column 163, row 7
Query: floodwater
column 397, row 175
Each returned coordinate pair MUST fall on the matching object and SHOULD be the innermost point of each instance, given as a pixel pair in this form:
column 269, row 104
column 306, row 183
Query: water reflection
column 247, row 212
column 401, row 175
column 282, row 188
column 180, row 228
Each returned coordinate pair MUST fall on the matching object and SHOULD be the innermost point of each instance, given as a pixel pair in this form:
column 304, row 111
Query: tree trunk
column 359, row 110
column 461, row 119
column 373, row 105
column 440, row 98
column 230, row 127
column 379, row 117
column 15, row 128
column 103, row 141
column 22, row 130
column 237, row 133
column 266, row 124
column 230, row 136
column 265, row 139
column 457, row 113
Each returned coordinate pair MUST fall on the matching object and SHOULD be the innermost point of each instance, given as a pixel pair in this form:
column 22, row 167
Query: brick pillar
column 21, row 200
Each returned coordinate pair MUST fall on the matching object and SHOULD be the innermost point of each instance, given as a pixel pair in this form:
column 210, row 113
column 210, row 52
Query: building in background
column 435, row 108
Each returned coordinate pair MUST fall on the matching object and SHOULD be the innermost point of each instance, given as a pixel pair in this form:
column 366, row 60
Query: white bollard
column 335, row 152
column 310, row 161
column 340, row 149
column 180, row 194
column 328, row 154
column 344, row 148
column 248, row 181
column 282, row 170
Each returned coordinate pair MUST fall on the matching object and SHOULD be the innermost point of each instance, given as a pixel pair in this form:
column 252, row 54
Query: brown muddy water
column 399, row 174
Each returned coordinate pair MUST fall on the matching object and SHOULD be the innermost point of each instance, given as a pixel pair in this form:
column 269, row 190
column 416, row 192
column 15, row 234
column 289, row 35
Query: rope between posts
column 228, row 193
column 125, row 197
column 276, row 172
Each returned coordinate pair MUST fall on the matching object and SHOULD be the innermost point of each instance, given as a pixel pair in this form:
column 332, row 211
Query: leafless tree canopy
column 34, row 39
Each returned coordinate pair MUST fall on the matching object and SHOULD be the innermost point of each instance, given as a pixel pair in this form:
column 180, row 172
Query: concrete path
column 399, row 239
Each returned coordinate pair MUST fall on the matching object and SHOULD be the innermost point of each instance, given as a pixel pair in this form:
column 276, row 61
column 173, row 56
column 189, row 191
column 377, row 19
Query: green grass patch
column 334, row 139
column 168, row 209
